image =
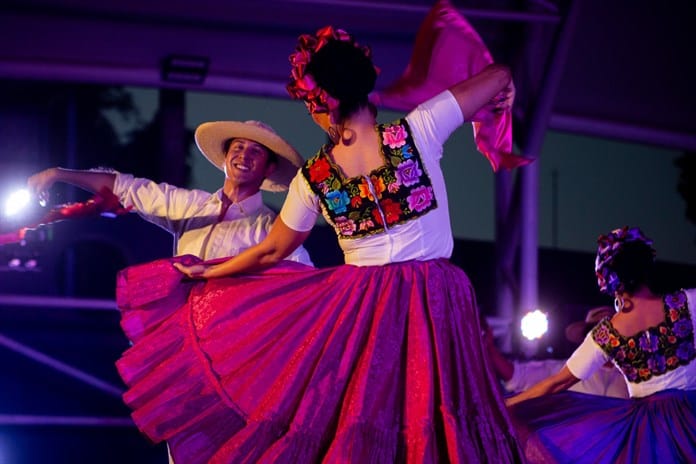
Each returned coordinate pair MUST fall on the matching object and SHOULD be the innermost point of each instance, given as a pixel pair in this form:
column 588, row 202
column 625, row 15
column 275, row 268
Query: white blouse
column 194, row 218
column 426, row 237
column 589, row 357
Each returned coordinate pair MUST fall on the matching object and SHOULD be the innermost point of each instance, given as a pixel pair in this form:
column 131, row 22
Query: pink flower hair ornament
column 302, row 86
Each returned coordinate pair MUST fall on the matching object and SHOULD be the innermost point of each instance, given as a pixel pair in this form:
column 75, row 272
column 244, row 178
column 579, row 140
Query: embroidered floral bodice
column 655, row 351
column 391, row 194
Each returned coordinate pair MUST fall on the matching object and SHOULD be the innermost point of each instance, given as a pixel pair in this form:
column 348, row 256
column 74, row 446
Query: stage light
column 20, row 263
column 534, row 325
column 25, row 255
column 16, row 202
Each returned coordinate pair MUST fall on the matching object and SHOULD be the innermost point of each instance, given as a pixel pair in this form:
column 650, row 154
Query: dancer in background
column 651, row 340
column 518, row 375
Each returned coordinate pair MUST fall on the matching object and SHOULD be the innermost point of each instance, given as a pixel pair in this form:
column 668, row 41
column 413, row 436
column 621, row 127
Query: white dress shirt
column 203, row 224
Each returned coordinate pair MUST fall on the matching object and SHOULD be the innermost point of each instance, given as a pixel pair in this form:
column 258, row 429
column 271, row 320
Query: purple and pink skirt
column 575, row 427
column 375, row 364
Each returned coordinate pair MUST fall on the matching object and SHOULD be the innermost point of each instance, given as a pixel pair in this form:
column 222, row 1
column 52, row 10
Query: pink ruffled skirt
column 349, row 364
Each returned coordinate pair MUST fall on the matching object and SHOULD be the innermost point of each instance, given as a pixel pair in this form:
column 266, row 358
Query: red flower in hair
column 302, row 86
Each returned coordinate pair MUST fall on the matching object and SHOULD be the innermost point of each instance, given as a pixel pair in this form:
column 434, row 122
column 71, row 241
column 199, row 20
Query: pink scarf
column 448, row 50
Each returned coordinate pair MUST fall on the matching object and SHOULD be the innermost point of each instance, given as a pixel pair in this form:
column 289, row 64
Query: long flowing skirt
column 364, row 365
column 574, row 427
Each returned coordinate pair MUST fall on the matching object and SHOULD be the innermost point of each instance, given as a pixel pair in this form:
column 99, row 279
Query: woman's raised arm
column 479, row 90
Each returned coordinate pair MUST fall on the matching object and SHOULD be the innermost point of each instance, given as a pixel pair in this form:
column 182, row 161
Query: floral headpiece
column 302, row 85
column 609, row 247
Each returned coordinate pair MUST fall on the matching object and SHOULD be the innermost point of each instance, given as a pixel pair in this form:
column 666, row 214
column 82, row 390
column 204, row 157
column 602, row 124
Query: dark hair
column 345, row 73
column 272, row 156
column 634, row 266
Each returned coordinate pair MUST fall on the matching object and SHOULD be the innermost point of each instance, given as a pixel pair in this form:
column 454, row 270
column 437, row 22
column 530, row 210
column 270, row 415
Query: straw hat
column 211, row 137
column 576, row 331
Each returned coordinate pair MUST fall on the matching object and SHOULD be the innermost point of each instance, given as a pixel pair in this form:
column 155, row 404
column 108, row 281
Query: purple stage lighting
column 16, row 202
column 534, row 324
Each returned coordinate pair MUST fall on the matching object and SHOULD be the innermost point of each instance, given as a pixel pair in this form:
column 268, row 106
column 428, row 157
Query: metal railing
column 14, row 301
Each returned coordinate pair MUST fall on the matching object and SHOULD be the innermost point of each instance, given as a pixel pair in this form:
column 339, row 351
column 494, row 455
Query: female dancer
column 374, row 361
column 651, row 340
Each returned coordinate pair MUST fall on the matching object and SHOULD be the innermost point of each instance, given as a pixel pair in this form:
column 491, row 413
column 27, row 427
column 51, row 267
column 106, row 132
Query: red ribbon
column 302, row 86
column 102, row 203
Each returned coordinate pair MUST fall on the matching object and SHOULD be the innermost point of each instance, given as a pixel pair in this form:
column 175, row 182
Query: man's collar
column 249, row 204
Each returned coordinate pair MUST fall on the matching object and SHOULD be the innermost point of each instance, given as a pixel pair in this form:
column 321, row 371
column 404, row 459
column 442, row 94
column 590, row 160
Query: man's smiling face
column 246, row 162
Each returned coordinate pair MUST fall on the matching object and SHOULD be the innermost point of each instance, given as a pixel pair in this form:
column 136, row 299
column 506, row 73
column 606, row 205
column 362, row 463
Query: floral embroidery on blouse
column 654, row 351
column 394, row 193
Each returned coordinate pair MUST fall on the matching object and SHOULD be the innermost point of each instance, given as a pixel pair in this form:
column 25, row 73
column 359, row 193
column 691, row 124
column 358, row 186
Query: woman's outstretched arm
column 278, row 244
column 558, row 382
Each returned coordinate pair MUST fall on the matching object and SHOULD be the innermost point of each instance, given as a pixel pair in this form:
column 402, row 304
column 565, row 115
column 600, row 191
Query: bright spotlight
column 534, row 324
column 16, row 202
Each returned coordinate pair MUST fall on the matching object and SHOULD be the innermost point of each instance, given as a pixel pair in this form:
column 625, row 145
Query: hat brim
column 211, row 137
column 576, row 331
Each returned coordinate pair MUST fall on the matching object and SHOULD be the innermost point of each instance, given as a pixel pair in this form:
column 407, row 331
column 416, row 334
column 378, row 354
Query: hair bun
column 343, row 71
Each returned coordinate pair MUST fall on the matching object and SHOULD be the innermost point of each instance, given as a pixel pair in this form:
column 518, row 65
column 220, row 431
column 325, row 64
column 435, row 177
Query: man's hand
column 41, row 182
